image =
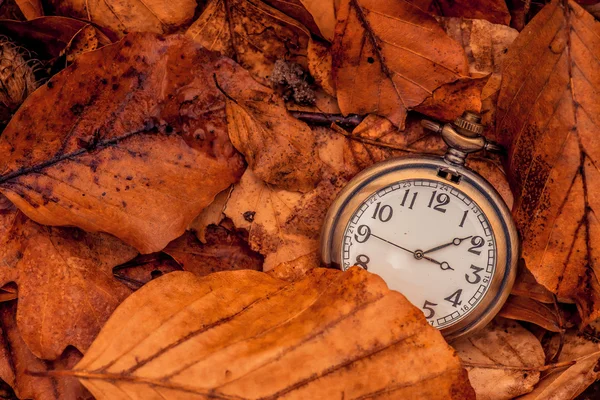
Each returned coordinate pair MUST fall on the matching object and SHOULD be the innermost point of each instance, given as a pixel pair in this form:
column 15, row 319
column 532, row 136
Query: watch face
column 427, row 240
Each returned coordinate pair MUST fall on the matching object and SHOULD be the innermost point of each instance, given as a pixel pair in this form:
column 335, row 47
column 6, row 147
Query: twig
column 546, row 367
column 350, row 120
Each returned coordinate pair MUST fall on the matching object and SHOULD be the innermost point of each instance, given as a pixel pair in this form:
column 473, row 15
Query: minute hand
column 393, row 244
column 455, row 241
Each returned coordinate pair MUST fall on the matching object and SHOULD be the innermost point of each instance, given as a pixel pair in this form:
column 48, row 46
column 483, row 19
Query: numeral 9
column 362, row 234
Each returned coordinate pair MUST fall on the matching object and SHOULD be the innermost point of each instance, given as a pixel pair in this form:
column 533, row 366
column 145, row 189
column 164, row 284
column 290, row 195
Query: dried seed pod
column 17, row 76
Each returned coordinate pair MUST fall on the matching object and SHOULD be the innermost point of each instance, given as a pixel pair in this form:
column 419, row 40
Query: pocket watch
column 433, row 229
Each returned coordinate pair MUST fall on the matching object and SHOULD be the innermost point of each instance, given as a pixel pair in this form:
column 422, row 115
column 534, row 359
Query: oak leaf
column 64, row 276
column 18, row 365
column 223, row 251
column 129, row 140
column 389, row 56
column 548, row 111
column 246, row 335
column 503, row 360
column 280, row 149
column 252, row 33
column 124, row 16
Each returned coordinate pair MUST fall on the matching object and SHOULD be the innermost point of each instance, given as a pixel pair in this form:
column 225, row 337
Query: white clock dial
column 427, row 240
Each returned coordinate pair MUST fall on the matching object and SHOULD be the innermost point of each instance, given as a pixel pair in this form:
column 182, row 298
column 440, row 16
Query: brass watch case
column 472, row 184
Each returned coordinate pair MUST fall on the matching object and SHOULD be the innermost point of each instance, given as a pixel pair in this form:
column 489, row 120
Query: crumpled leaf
column 18, row 363
column 66, row 289
column 494, row 11
column 252, row 33
column 223, row 251
column 567, row 383
column 278, row 148
column 376, row 139
column 129, row 140
column 317, row 15
column 502, row 360
column 389, row 56
column 124, row 16
column 244, row 334
column 548, row 112
column 527, row 309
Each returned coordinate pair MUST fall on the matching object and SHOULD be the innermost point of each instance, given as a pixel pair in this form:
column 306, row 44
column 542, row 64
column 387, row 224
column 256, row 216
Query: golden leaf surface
column 124, row 16
column 548, row 111
column 280, row 149
column 389, row 56
column 130, row 140
column 64, row 276
column 246, row 335
column 503, row 360
column 252, row 33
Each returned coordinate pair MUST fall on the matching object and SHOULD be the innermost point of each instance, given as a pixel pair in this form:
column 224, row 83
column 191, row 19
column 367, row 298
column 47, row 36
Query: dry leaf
column 527, row 309
column 320, row 65
column 548, row 112
column 317, row 15
column 124, row 16
column 18, row 364
column 211, row 215
column 566, row 384
column 278, row 148
column 526, row 286
column 297, row 269
column 223, row 251
column 145, row 267
column 64, row 275
column 31, row 8
column 494, row 11
column 246, row 335
column 389, row 56
column 485, row 45
column 252, row 33
column 89, row 38
column 503, row 360
column 129, row 140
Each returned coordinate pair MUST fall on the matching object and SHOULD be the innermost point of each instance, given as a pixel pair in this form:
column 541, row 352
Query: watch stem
column 432, row 126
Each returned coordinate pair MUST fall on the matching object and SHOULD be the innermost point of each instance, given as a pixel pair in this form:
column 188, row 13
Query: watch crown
column 469, row 123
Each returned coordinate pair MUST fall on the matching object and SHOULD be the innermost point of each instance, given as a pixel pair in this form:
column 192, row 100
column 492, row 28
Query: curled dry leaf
column 223, row 251
column 526, row 286
column 252, row 33
column 211, row 215
column 129, row 140
column 246, row 335
column 376, row 139
column 64, row 276
column 278, row 148
column 548, row 112
column 494, row 11
column 527, row 309
column 317, row 15
column 18, row 363
column 503, row 360
column 389, row 56
column 89, row 38
column 124, row 16
column 581, row 357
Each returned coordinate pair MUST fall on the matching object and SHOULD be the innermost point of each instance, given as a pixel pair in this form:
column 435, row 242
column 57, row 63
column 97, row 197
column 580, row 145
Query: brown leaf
column 381, row 67
column 64, row 275
column 566, row 384
column 494, row 11
column 548, row 113
column 526, row 286
column 246, row 335
column 527, row 309
column 124, row 16
column 377, row 139
column 18, row 364
column 317, row 15
column 278, row 148
column 143, row 268
column 211, row 215
column 31, row 8
column 502, row 360
column 252, row 33
column 223, row 251
column 294, row 270
column 320, row 65
column 89, row 38
column 130, row 140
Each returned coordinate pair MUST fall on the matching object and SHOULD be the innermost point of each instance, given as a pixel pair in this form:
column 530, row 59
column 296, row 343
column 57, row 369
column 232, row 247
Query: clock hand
column 455, row 241
column 418, row 254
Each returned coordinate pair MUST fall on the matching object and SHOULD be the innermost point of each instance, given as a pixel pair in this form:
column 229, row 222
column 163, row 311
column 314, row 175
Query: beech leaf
column 129, row 140
column 246, row 335
column 66, row 288
column 389, row 56
column 548, row 111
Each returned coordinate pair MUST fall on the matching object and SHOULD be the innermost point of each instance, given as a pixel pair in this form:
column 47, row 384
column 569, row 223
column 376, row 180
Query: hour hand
column 455, row 241
column 443, row 265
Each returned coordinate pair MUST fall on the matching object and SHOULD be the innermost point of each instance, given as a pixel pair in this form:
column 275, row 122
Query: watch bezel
column 386, row 173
